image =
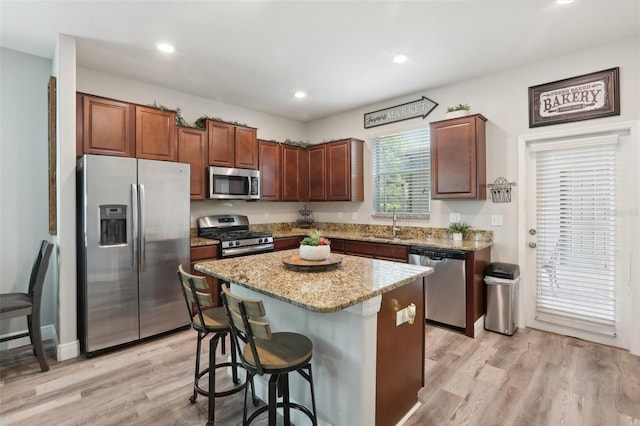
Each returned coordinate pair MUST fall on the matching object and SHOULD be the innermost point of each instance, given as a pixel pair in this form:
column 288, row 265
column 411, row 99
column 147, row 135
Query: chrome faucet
column 394, row 228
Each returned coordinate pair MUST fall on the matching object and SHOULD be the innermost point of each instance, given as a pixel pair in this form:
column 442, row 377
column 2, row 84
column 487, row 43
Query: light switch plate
column 354, row 215
column 454, row 217
column 496, row 220
column 339, row 215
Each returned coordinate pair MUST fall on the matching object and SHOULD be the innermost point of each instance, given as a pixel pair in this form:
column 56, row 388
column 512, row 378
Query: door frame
column 633, row 130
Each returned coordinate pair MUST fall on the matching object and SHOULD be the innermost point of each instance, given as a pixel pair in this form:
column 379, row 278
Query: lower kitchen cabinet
column 201, row 254
column 382, row 251
column 286, row 243
column 475, row 265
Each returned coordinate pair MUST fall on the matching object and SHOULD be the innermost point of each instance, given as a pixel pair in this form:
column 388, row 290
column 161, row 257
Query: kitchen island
column 367, row 369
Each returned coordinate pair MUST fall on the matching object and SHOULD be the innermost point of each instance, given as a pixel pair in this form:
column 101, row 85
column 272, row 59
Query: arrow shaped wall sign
column 420, row 108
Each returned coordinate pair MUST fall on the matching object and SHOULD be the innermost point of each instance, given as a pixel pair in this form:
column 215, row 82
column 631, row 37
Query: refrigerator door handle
column 143, row 241
column 134, row 217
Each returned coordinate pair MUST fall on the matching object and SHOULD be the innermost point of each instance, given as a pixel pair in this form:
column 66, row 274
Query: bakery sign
column 578, row 98
column 419, row 108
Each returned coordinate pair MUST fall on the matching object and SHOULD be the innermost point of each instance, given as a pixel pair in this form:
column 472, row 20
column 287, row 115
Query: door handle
column 532, row 245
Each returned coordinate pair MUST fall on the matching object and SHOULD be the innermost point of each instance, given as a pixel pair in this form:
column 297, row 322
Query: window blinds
column 576, row 224
column 401, row 172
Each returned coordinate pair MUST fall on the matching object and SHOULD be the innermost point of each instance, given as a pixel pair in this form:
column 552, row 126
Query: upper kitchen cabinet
column 336, row 171
column 317, row 176
column 156, row 134
column 104, row 127
column 458, row 158
column 232, row 145
column 344, row 170
column 193, row 149
column 294, row 168
column 270, row 161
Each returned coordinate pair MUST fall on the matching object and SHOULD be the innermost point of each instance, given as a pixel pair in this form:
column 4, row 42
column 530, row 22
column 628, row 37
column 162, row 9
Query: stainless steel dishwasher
column 446, row 287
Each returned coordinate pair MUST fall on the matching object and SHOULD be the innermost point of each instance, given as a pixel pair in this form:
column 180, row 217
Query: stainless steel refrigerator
column 133, row 231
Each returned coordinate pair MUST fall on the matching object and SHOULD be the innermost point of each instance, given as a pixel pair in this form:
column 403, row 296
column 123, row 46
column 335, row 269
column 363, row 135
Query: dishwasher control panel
column 437, row 253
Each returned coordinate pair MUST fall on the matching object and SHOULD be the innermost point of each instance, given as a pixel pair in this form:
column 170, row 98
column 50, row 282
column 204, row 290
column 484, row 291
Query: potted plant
column 459, row 110
column 459, row 230
column 315, row 247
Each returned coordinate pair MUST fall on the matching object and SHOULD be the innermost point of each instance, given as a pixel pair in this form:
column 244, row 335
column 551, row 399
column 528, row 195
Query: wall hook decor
column 501, row 190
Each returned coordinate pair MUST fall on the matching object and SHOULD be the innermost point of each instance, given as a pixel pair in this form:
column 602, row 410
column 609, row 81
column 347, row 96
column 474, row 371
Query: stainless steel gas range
column 232, row 231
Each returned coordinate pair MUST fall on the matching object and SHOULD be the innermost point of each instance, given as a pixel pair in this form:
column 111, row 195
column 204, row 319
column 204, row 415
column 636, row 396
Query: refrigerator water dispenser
column 113, row 224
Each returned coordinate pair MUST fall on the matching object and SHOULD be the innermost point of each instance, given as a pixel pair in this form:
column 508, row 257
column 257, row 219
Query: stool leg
column 234, row 359
column 213, row 344
column 195, row 379
column 273, row 382
column 313, row 398
column 284, row 379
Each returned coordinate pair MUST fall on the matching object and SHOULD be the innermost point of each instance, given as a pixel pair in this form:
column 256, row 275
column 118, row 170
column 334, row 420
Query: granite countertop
column 407, row 240
column 355, row 280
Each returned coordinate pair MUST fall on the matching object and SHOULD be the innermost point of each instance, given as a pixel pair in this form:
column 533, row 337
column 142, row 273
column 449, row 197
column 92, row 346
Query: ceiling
column 256, row 54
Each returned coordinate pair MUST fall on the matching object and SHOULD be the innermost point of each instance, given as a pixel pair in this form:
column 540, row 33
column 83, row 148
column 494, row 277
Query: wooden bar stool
column 208, row 320
column 276, row 354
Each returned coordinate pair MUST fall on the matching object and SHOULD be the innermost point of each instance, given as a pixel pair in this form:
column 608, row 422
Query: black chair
column 206, row 319
column 276, row 354
column 28, row 304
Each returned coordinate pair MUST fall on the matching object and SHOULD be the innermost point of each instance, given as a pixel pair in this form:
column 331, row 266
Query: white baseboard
column 409, row 414
column 68, row 350
column 478, row 326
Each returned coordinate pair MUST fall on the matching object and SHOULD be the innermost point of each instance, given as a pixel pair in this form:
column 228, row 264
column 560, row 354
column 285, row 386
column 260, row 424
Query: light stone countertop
column 425, row 241
column 356, row 279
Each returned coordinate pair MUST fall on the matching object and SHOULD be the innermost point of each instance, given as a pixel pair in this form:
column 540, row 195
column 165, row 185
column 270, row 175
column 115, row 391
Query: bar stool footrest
column 239, row 386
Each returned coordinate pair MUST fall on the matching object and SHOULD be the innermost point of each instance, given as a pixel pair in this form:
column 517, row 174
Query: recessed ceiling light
column 166, row 47
column 400, row 59
column 564, row 1
column 300, row 94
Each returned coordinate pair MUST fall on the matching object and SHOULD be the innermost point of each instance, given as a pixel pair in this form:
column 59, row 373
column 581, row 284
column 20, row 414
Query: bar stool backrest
column 196, row 293
column 244, row 327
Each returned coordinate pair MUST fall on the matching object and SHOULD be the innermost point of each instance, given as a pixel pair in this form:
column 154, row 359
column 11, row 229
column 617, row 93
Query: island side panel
column 344, row 358
column 400, row 354
column 476, row 263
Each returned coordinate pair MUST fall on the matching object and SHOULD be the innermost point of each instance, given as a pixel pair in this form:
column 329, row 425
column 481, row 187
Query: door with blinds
column 576, row 245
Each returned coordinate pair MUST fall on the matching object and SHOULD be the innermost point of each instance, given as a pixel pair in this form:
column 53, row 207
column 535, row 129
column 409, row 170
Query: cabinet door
column 317, row 173
column 156, row 134
column 221, row 144
column 293, row 172
column 270, row 170
column 458, row 158
column 107, row 127
column 204, row 253
column 192, row 149
column 286, row 243
column 246, row 150
column 339, row 171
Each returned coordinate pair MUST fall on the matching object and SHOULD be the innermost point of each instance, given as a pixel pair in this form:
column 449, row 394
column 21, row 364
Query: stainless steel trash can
column 502, row 281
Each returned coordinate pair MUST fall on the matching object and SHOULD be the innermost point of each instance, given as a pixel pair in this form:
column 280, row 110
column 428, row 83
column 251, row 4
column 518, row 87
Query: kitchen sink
column 386, row 237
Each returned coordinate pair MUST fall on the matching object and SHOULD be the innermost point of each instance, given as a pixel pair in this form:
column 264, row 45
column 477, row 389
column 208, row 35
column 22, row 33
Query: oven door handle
column 247, row 250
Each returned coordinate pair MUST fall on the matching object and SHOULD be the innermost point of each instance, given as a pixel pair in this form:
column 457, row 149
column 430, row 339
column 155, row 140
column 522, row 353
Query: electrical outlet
column 454, row 217
column 339, row 215
column 496, row 220
column 401, row 317
column 354, row 215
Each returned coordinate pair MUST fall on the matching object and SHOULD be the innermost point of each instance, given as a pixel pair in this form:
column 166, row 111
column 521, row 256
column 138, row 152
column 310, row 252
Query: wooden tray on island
column 296, row 263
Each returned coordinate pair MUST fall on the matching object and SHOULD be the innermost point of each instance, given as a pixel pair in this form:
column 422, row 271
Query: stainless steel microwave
column 233, row 184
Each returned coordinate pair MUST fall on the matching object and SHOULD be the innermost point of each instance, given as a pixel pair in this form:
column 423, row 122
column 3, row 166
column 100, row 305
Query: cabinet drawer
column 378, row 250
column 204, row 253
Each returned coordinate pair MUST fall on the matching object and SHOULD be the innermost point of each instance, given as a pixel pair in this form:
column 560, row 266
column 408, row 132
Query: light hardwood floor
column 531, row 378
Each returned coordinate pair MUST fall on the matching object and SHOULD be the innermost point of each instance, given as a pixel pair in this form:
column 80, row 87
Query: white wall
column 24, row 203
column 503, row 99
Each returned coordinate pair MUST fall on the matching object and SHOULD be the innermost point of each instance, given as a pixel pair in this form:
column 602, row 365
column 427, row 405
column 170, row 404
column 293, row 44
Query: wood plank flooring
column 531, row 378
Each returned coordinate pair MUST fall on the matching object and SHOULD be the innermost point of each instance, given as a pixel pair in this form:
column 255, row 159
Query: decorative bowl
column 314, row 252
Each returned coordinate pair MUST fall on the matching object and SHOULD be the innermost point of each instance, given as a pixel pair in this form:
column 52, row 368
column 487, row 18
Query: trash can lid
column 503, row 270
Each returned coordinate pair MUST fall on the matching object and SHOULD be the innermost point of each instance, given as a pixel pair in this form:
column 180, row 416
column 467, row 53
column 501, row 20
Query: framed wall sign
column 578, row 98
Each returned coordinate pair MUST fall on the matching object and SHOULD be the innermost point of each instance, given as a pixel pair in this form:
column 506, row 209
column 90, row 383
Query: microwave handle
column 249, row 186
